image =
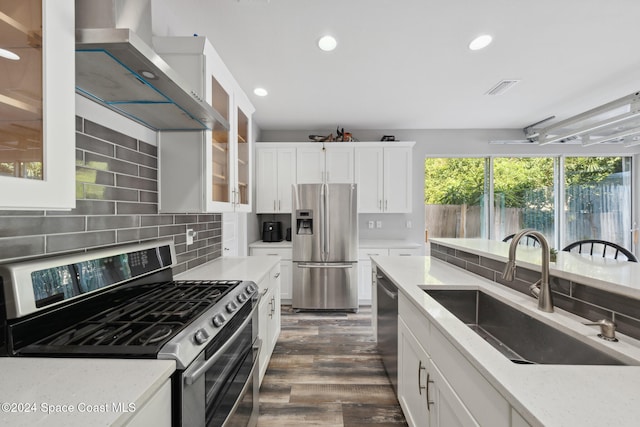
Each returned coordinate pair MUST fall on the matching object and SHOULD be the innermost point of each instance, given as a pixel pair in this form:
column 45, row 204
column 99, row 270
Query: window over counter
column 565, row 198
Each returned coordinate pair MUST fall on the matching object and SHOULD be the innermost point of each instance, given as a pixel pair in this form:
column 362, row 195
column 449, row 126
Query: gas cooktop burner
column 148, row 320
column 155, row 334
column 116, row 302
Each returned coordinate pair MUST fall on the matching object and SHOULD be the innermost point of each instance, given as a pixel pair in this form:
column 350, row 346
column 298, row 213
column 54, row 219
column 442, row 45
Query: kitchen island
column 496, row 391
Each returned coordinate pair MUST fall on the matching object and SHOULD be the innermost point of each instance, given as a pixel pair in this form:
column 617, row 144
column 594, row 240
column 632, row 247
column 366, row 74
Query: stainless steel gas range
column 122, row 302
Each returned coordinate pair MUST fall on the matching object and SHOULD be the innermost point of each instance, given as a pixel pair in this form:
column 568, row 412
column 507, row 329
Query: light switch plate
column 378, row 224
column 370, row 224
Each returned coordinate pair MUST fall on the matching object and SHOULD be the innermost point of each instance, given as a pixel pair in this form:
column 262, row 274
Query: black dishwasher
column 387, row 314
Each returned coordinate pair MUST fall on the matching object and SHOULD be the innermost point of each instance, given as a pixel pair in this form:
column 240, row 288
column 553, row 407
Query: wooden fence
column 600, row 211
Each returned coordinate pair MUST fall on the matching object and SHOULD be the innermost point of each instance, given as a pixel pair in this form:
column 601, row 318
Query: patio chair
column 596, row 247
column 526, row 240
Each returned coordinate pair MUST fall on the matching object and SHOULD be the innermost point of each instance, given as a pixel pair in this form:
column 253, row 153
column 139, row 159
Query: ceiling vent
column 502, row 86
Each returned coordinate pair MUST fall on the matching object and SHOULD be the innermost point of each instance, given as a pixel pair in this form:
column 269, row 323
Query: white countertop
column 253, row 268
column 545, row 395
column 621, row 277
column 363, row 243
column 80, row 384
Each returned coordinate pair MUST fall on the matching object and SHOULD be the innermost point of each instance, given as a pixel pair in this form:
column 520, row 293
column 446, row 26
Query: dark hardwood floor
column 325, row 371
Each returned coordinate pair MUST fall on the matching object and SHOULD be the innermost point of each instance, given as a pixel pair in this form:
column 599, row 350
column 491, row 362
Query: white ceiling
column 404, row 64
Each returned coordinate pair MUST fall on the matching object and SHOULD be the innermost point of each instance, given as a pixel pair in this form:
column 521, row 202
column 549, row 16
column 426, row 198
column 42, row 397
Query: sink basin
column 518, row 336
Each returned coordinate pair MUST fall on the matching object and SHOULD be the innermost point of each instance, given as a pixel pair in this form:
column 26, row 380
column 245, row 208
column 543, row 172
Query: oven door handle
column 200, row 370
column 256, row 347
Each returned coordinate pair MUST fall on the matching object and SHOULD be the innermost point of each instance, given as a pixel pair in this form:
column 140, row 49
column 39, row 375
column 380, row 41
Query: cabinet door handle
column 380, row 204
column 429, row 401
column 386, row 203
column 279, row 206
column 274, row 205
column 420, row 386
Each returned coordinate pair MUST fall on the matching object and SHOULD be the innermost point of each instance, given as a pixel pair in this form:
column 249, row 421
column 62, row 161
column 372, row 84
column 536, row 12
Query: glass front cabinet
column 37, row 104
column 207, row 171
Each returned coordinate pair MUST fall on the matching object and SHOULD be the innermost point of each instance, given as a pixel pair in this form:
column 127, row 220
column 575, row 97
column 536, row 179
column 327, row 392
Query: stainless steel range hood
column 118, row 69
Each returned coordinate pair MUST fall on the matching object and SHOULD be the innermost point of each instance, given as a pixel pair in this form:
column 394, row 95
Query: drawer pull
column 429, row 402
column 420, row 386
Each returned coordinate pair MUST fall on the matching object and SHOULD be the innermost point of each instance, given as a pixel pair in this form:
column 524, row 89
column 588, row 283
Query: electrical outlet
column 370, row 224
column 190, row 235
column 378, row 224
column 409, row 224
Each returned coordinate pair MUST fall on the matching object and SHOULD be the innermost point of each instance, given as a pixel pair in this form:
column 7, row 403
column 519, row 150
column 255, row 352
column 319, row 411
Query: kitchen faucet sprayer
column 543, row 293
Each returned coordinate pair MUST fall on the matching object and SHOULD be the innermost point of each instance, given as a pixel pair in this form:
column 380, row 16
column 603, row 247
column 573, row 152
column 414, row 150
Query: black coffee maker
column 272, row 231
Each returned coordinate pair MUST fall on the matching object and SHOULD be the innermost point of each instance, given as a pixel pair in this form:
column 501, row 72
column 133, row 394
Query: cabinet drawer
column 284, row 253
column 406, row 252
column 483, row 401
column 366, row 254
column 416, row 321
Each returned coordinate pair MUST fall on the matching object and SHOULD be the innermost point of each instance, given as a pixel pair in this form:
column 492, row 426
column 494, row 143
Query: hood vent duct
column 117, row 69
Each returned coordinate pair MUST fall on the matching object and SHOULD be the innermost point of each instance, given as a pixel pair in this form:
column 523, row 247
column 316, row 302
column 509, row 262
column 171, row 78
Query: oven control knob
column 231, row 307
column 201, row 336
column 251, row 288
column 241, row 298
column 218, row 320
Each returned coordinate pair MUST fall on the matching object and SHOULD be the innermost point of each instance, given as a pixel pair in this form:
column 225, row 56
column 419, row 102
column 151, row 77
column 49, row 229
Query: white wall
column 445, row 143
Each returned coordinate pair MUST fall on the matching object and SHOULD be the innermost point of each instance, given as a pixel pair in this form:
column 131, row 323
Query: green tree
column 456, row 181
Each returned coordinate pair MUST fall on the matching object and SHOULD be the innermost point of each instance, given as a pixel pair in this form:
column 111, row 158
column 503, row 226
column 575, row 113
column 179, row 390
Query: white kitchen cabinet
column 37, row 105
column 425, row 396
column 517, row 420
column 366, row 286
column 383, row 175
column 286, row 271
column 275, row 175
column 317, row 163
column 461, row 396
column 405, row 251
column 156, row 411
column 412, row 378
column 208, row 171
column 286, row 256
column 269, row 317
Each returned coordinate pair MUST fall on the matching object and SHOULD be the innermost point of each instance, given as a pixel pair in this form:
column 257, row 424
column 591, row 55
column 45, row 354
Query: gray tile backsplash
column 575, row 297
column 116, row 202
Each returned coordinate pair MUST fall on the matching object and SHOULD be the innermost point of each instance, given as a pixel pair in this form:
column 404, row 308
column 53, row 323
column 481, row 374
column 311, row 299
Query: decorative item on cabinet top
column 341, row 136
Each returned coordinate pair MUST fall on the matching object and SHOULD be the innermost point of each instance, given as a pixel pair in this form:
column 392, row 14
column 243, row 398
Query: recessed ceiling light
column 327, row 43
column 260, row 91
column 8, row 55
column 480, row 42
column 148, row 74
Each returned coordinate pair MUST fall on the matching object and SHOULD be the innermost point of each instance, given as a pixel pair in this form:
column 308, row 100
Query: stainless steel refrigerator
column 325, row 247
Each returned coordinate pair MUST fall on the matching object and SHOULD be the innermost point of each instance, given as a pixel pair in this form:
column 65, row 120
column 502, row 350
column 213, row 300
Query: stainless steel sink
column 518, row 336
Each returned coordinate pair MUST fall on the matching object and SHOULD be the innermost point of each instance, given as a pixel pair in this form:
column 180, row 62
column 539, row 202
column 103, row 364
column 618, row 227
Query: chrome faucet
column 540, row 289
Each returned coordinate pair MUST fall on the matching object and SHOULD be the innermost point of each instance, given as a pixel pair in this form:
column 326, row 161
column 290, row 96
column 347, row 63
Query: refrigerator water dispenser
column 304, row 221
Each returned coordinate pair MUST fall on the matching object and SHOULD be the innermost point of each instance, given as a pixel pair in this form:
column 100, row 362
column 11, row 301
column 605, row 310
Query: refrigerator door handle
column 326, row 224
column 325, row 265
column 321, row 230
